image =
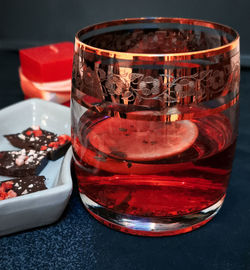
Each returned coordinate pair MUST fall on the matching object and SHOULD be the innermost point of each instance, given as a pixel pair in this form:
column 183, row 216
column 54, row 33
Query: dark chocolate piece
column 31, row 138
column 40, row 139
column 21, row 186
column 22, row 163
column 58, row 147
column 59, row 152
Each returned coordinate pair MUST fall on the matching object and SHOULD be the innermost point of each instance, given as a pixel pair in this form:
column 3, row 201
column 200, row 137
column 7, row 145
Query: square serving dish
column 46, row 206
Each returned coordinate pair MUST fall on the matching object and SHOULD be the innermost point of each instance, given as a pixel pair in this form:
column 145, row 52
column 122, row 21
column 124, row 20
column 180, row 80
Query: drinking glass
column 154, row 121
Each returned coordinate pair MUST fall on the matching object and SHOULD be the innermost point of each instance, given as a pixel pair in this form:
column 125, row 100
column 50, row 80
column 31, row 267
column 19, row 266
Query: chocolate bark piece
column 58, row 148
column 40, row 139
column 21, row 186
column 31, row 138
column 22, row 163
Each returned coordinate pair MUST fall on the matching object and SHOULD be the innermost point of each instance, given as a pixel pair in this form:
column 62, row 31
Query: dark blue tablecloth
column 77, row 241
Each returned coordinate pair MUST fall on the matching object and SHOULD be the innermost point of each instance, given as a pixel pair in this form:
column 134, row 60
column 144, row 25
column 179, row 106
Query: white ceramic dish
column 46, row 206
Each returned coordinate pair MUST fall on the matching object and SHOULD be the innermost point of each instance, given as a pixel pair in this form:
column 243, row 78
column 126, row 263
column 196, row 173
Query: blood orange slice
column 141, row 140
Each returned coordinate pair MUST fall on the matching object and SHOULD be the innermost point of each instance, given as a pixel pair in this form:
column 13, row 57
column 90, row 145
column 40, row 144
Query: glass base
column 151, row 226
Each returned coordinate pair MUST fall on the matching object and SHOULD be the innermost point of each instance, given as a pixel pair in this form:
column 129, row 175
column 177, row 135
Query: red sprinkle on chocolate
column 54, row 145
column 11, row 194
column 37, row 132
column 63, row 139
column 2, row 189
column 7, row 185
column 43, row 147
column 3, row 195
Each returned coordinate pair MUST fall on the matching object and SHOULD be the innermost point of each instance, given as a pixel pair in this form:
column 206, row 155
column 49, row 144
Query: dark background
column 32, row 22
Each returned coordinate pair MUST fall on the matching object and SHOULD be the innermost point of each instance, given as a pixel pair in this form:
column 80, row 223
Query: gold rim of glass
column 168, row 56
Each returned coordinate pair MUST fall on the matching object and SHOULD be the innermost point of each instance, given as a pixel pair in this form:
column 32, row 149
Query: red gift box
column 46, row 71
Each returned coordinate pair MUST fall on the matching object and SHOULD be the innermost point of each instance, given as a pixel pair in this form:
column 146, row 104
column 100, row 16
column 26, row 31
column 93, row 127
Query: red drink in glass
column 154, row 135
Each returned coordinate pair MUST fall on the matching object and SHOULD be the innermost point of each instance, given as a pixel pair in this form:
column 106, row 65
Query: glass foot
column 150, row 226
